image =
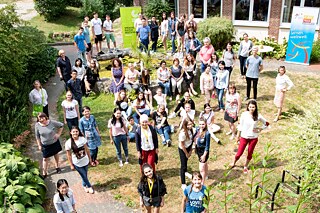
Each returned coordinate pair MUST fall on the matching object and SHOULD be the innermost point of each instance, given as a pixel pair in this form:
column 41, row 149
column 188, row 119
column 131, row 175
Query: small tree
column 219, row 30
column 50, row 9
column 156, row 8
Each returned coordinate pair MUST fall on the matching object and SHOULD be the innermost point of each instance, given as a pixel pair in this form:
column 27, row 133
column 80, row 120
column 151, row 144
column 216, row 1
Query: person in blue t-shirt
column 192, row 201
column 81, row 45
column 144, row 32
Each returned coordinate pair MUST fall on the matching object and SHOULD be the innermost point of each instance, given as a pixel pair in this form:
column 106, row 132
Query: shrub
column 90, row 6
column 159, row 6
column 50, row 9
column 219, row 30
column 315, row 54
column 74, row 3
column 21, row 188
column 305, row 146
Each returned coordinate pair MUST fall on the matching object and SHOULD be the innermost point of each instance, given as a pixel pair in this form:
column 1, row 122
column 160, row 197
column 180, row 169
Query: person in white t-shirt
column 138, row 22
column 96, row 24
column 78, row 155
column 71, row 112
column 107, row 27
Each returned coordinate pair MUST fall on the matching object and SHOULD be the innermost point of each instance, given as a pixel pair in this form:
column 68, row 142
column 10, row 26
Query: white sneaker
column 120, row 164
column 188, row 175
column 172, row 115
column 229, row 133
column 86, row 189
column 232, row 137
column 91, row 191
column 183, row 187
column 127, row 161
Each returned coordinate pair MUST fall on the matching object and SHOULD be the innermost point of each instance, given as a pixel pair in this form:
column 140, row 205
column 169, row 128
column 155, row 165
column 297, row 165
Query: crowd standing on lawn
column 131, row 119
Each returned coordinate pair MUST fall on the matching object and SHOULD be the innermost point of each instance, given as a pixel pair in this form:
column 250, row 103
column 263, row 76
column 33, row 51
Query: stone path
column 98, row 202
column 25, row 9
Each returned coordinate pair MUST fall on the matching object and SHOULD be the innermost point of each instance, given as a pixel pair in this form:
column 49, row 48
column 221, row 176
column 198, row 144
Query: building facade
column 259, row 18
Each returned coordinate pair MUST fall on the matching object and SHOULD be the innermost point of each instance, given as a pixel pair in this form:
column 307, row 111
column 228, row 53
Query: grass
column 7, row 1
column 69, row 22
column 123, row 181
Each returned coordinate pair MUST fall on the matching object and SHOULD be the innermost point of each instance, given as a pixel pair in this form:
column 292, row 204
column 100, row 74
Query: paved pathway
column 96, row 203
column 25, row 9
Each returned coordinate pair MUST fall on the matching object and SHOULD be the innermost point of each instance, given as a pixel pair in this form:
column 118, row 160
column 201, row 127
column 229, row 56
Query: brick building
column 259, row 18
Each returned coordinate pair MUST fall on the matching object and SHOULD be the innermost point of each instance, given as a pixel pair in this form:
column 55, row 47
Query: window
column 252, row 10
column 205, row 8
column 213, row 8
column 289, row 4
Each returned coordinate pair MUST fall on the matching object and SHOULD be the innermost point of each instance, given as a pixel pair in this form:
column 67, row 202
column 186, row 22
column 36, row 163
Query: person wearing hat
column 146, row 142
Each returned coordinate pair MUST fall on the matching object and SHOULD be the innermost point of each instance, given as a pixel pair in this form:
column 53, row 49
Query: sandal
column 58, row 170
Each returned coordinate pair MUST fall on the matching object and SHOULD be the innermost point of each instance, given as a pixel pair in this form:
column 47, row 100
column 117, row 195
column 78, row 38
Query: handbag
column 38, row 107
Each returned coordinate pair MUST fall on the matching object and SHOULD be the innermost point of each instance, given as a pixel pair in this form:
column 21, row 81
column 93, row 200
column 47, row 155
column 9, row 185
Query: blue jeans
column 94, row 154
column 203, row 67
column 118, row 140
column 132, row 136
column 220, row 93
column 144, row 43
column 173, row 38
column 165, row 131
column 82, row 55
column 166, row 86
column 136, row 117
column 83, row 171
column 72, row 122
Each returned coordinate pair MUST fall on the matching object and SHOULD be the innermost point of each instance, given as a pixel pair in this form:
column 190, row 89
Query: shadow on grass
column 69, row 19
column 269, row 74
column 217, row 174
column 271, row 163
column 168, row 173
column 292, row 112
column 112, row 159
column 112, row 184
column 265, row 98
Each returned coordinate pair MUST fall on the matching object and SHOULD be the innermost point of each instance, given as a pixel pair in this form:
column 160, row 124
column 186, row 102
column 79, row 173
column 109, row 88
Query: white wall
column 258, row 32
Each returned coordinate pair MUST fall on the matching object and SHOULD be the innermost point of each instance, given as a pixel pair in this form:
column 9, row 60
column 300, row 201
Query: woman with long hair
column 203, row 147
column 71, row 114
column 206, row 84
column 248, row 132
column 63, row 200
column 117, row 78
column 161, row 124
column 229, row 58
column 91, row 76
column 119, row 135
column 243, row 53
column 151, row 189
column 192, row 44
column 47, row 134
column 141, row 106
column 189, row 66
column 208, row 115
column 39, row 98
column 79, row 157
column 176, row 72
column 164, row 30
column 221, row 83
column 123, row 104
column 78, row 66
column 163, row 79
column 180, row 32
column 185, row 148
column 145, row 85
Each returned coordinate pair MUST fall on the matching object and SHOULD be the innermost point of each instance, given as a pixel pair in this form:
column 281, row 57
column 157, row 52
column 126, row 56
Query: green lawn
column 69, row 22
column 122, row 182
column 7, row 1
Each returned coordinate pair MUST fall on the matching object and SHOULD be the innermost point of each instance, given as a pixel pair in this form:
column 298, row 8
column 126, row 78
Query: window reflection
column 242, row 9
column 287, row 9
column 260, row 10
column 197, row 8
column 214, row 7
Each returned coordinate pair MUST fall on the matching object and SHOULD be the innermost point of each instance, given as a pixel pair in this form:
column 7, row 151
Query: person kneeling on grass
column 132, row 128
column 151, row 189
column 161, row 125
column 119, row 135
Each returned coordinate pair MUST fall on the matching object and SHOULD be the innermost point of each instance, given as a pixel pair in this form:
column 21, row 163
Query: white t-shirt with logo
column 183, row 138
column 108, row 26
column 70, row 108
column 80, row 158
column 96, row 24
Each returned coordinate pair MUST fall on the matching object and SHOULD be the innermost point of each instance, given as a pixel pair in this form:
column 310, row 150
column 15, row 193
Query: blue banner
column 303, row 26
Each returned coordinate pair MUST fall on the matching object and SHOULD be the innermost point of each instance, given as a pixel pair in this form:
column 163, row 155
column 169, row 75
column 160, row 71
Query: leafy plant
column 159, row 6
column 315, row 54
column 50, row 9
column 219, row 30
column 21, row 188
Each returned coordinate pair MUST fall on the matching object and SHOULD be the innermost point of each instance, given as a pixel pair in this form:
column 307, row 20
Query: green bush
column 219, row 30
column 32, row 60
column 315, row 54
column 159, row 6
column 90, row 6
column 74, row 3
column 305, row 148
column 50, row 9
column 21, row 188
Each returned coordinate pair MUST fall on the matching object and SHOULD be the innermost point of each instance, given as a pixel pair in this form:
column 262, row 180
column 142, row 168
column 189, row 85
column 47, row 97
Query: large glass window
column 289, row 4
column 197, row 8
column 252, row 10
column 213, row 8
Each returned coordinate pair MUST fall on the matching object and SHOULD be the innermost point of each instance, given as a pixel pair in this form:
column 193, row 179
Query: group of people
column 130, row 119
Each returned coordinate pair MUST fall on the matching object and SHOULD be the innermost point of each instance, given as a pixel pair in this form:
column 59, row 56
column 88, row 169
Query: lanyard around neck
column 150, row 184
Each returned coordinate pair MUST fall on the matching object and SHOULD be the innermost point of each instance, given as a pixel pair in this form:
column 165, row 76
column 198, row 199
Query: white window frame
column 250, row 22
column 286, row 25
column 205, row 7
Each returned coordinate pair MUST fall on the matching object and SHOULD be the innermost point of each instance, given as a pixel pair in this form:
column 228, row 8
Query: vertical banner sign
column 128, row 16
column 303, row 26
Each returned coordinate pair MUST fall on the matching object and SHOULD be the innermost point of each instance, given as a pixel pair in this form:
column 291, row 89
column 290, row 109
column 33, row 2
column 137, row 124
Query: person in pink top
column 205, row 53
column 119, row 135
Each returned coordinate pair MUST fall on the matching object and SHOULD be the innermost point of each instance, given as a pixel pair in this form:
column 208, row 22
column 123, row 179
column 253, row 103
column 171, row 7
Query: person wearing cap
column 146, row 142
